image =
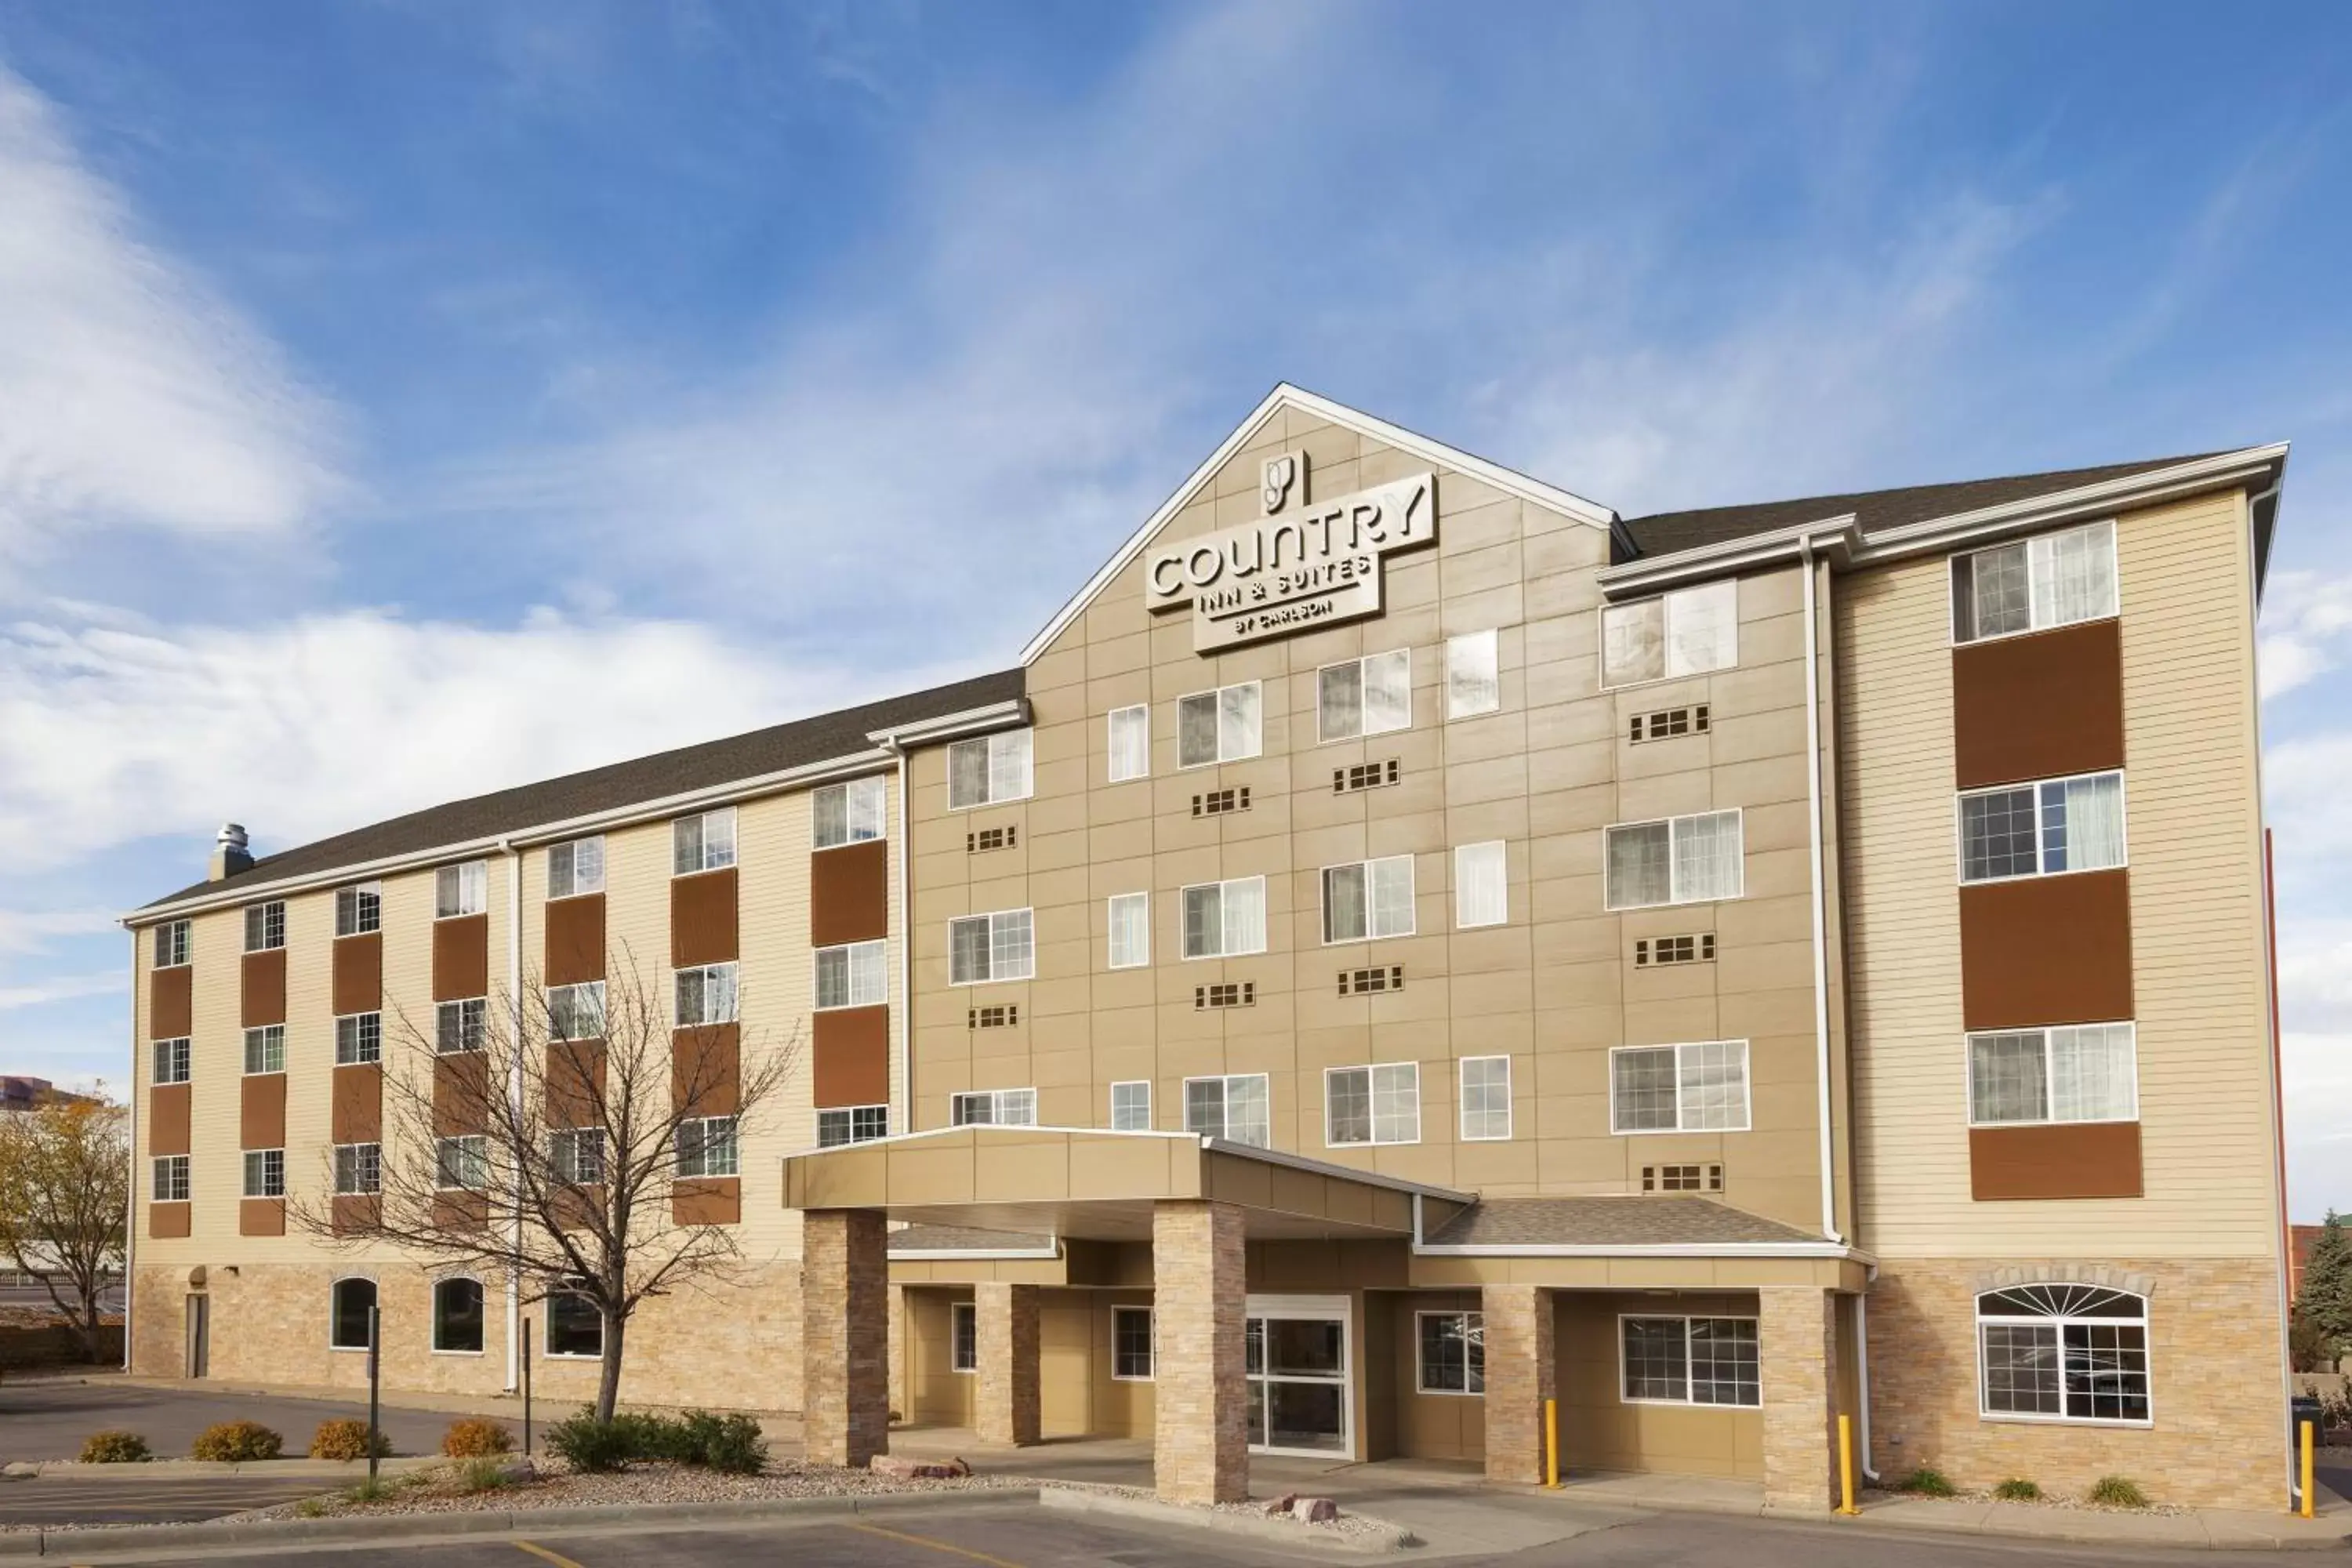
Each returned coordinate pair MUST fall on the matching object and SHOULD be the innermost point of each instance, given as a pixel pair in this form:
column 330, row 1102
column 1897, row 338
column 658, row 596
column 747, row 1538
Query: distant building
column 2306, row 1238
column 17, row 1093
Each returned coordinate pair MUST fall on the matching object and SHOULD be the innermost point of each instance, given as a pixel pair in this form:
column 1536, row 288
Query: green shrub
column 236, row 1441
column 474, row 1439
column 729, row 1443
column 375, row 1489
column 482, row 1474
column 347, row 1440
column 1926, row 1481
column 2016, row 1489
column 2118, row 1492
column 114, row 1448
column 593, row 1447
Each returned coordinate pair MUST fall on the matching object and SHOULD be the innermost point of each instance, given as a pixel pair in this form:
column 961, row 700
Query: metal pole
column 1551, row 1444
column 1845, row 1465
column 375, row 1381
column 526, row 1385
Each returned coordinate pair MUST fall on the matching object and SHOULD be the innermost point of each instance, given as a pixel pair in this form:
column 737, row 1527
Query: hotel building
column 1404, row 943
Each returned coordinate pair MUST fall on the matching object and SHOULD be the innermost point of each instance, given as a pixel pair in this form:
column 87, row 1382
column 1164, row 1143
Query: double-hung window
column 576, row 1154
column 1375, row 1104
column 851, row 1124
column 265, row 1050
column 462, row 1164
column 171, row 1179
column 1481, row 887
column 704, row 843
column 171, row 1059
column 576, row 1012
column 1222, row 920
column 265, row 1173
column 1690, row 1361
column 1131, row 743
column 989, row 769
column 1235, row 1108
column 2075, row 1073
column 2042, row 829
column 1369, row 899
column 2063, row 1353
column 1694, row 1088
column 1682, row 860
column 359, row 910
column 171, row 944
column 265, row 926
column 706, row 1147
column 1220, row 726
column 985, row 948
column 856, row 974
column 994, row 1108
column 1688, row 632
column 461, row 890
column 1367, row 695
column 705, row 994
column 1130, row 1106
column 576, row 868
column 359, row 1038
column 1452, row 1352
column 359, row 1169
column 1486, row 1099
column 462, row 1026
column 1130, row 1345
column 1473, row 675
column 2050, row 580
column 847, row 813
column 1131, row 931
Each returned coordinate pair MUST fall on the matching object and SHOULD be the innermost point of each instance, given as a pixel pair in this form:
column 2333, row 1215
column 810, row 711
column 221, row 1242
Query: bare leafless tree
column 578, row 1141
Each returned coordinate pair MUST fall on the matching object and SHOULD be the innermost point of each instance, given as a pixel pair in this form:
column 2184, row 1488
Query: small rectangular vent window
column 989, row 838
column 1682, row 1178
column 1651, row 951
column 1218, row 801
column 1003, row 1017
column 1366, row 775
column 1370, row 981
column 1668, row 723
column 1232, row 993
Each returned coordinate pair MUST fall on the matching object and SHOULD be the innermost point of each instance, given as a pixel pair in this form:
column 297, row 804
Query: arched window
column 457, row 1315
column 2063, row 1353
column 349, row 1329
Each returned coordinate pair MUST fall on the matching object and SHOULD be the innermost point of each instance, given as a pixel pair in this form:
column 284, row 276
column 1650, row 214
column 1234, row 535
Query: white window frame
column 1136, row 959
column 1667, row 635
column 171, row 1059
column 1225, row 926
column 1462, row 1100
column 576, row 884
column 267, row 1158
column 270, row 917
column 721, row 1153
column 358, row 908
column 2034, row 621
column 1225, row 1082
column 168, row 1179
column 869, row 962
column 714, row 842
column 1746, row 1098
column 2041, row 829
column 564, row 999
column 1674, row 824
column 565, row 1146
column 1257, row 738
column 1144, row 1084
column 865, row 813
column 715, row 986
column 261, row 1035
column 1325, row 734
column 2049, row 1074
column 461, row 890
column 1028, row 969
column 172, row 946
column 849, row 1115
column 1374, row 1072
column 351, row 1183
column 480, row 1156
column 1466, row 883
column 1151, row 1345
column 1474, row 1333
column 439, row 1349
column 959, row 1359
column 1371, row 902
column 1485, row 649
column 2061, row 1322
column 472, row 1033
column 999, row 1100
column 1003, row 741
column 359, row 1042
column 1140, row 715
column 1624, row 1394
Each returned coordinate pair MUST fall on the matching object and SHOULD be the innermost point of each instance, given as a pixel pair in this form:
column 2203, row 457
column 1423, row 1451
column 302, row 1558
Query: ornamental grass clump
column 2118, row 1492
column 1926, row 1481
column 2018, row 1489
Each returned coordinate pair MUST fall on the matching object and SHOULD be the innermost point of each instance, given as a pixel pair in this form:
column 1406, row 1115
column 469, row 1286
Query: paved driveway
column 47, row 1418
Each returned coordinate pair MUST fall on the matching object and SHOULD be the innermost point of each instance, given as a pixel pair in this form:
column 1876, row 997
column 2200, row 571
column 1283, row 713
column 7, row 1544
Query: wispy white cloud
column 60, row 988
column 2306, row 629
column 36, row 931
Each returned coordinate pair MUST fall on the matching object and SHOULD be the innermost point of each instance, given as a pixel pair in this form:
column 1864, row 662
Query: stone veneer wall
column 2219, row 1438
column 1796, row 1334
column 1200, row 1439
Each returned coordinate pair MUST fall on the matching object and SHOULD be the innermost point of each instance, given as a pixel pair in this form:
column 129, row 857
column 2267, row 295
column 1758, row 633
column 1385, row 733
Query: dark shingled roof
column 703, row 766
column 1657, row 1221
column 963, row 1238
column 1666, row 533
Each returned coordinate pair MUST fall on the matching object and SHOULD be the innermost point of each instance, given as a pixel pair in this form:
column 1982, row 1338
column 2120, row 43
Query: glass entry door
column 1299, row 1399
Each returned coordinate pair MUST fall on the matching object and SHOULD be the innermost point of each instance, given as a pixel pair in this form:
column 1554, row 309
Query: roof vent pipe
column 230, row 852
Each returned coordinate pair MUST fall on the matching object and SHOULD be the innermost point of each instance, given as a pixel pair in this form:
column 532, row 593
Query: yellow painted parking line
column 536, row 1550
column 934, row 1545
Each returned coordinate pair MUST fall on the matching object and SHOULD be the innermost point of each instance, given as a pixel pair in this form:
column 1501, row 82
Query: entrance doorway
column 199, row 1339
column 1300, row 1397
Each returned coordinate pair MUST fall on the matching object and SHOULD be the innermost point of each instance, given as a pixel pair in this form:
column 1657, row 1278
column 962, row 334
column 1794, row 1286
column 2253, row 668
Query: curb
column 1079, row 1499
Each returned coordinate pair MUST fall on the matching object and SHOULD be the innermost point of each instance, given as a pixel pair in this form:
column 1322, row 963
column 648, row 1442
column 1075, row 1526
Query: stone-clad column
column 1007, row 1395
column 1522, row 1371
column 844, row 1337
column 1199, row 1450
column 1797, row 1354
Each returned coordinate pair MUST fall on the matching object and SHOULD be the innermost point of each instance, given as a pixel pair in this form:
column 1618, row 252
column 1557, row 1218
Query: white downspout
column 131, row 1218
column 514, row 1092
column 902, row 1113
column 1861, row 1372
column 1821, row 919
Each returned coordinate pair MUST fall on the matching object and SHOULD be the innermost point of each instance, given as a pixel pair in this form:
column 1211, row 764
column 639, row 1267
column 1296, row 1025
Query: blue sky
column 386, row 388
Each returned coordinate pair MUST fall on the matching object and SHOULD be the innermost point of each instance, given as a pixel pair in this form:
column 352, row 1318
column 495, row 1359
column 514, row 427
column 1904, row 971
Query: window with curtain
column 2032, row 585
column 1375, row 1104
column 1481, row 885
column 576, row 1012
column 989, row 769
column 1220, row 726
column 1131, row 929
column 1682, row 860
column 1474, row 677
column 2075, row 1073
column 1368, row 900
column 2042, row 829
column 1367, row 695
column 1225, row 919
column 1234, row 1107
column 1688, row 632
column 991, row 947
column 847, row 813
column 702, row 843
column 359, row 910
column 461, row 890
column 705, row 994
column 1699, row 1087
column 856, row 974
column 1131, row 743
column 994, row 1108
column 575, row 868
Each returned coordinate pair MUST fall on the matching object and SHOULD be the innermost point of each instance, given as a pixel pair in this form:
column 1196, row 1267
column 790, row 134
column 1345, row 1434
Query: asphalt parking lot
column 136, row 1498
column 48, row 1418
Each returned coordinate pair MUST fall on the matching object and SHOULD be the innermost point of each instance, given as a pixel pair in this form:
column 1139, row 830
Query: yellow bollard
column 1551, row 1444
column 2307, row 1470
column 1846, row 1466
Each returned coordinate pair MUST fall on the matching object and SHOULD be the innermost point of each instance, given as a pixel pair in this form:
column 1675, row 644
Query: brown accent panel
column 2038, row 706
column 574, row 1208
column 460, row 1090
column 575, row 939
column 702, row 918
column 262, row 996
column 167, row 1119
column 2046, row 949
column 358, row 1115
column 706, row 1200
column 171, row 1003
column 575, row 1083
column 461, row 1211
column 705, row 1069
column 461, row 958
column 261, row 1216
column 167, row 1222
column 359, row 972
column 261, row 1115
column 356, row 1211
column 852, row 1056
column 849, row 893
column 2082, row 1160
